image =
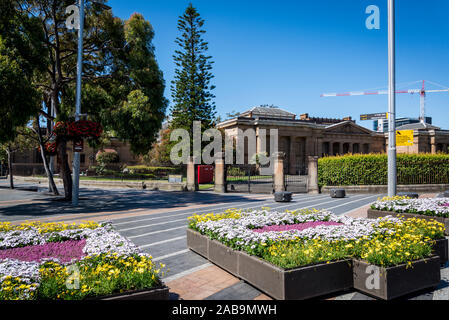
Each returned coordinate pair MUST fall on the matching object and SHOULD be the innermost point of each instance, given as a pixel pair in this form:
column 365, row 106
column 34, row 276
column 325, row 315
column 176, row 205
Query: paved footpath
column 156, row 222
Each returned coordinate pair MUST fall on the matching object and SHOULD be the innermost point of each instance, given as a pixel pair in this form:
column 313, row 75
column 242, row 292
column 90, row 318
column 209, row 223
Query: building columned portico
column 300, row 138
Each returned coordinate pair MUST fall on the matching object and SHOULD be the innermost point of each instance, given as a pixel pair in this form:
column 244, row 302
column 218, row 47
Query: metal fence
column 296, row 180
column 247, row 178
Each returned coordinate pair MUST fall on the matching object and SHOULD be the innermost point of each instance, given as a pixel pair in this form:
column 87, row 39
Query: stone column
column 292, row 154
column 313, row 176
column 192, row 175
column 433, row 148
column 220, row 174
column 279, row 181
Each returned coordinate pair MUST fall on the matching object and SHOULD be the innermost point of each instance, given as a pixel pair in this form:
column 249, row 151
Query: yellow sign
column 404, row 138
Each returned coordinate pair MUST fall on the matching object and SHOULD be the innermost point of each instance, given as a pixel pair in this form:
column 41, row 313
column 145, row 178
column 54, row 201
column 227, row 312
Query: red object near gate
column 205, row 174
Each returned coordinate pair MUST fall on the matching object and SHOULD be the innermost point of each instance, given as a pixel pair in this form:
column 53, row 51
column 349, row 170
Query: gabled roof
column 267, row 112
column 418, row 126
column 341, row 125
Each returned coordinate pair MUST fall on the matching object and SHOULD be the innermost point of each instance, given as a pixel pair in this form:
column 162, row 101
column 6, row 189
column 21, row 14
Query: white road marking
column 171, row 255
column 151, row 225
column 156, row 232
column 183, row 212
column 161, row 242
column 224, row 207
column 346, row 203
column 185, row 273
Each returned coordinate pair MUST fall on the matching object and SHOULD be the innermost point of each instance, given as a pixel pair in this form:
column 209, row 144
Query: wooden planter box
column 294, row 284
column 320, row 279
column 374, row 214
column 160, row 293
column 397, row 281
column 441, row 249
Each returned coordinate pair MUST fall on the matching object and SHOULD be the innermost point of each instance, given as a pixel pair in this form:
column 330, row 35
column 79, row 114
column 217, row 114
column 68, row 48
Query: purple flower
column 63, row 251
column 299, row 227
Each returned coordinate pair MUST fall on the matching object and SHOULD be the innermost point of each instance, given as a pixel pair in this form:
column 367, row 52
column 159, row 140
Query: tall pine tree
column 191, row 89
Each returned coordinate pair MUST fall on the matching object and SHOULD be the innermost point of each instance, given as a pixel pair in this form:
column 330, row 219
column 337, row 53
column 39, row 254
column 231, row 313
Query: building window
column 326, row 150
column 366, row 148
column 356, row 148
column 83, row 158
column 336, row 149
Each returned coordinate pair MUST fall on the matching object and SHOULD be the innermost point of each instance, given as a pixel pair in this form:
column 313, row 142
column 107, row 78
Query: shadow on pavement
column 101, row 201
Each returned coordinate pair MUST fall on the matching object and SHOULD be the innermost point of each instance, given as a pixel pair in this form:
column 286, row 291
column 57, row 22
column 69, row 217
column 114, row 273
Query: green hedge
column 157, row 171
column 372, row 169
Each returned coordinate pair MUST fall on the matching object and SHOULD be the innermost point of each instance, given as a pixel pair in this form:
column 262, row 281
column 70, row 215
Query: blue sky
column 287, row 53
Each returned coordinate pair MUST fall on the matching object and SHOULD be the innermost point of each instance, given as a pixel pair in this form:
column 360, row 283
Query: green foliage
column 139, row 117
column 20, row 59
column 105, row 158
column 157, row 171
column 372, row 169
column 159, row 155
column 191, row 89
column 100, row 275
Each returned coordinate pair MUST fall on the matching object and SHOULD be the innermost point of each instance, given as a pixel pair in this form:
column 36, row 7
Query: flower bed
column 71, row 262
column 437, row 207
column 402, row 207
column 295, row 241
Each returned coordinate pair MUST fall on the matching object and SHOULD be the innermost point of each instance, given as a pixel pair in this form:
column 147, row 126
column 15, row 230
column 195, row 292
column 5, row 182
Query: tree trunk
column 64, row 169
column 11, row 178
column 51, row 181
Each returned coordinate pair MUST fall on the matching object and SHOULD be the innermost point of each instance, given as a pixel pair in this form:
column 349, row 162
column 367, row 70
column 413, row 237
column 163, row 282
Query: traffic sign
column 78, row 145
column 404, row 138
column 374, row 116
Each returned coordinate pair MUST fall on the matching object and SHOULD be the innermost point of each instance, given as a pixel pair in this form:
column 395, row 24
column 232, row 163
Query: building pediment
column 347, row 127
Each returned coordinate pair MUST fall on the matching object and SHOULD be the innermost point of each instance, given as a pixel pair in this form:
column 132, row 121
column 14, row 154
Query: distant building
column 306, row 136
column 382, row 125
column 427, row 139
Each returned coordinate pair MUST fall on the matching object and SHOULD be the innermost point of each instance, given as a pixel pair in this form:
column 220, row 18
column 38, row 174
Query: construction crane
column 423, row 92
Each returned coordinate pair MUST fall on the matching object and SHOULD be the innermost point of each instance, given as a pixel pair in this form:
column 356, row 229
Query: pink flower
column 63, row 251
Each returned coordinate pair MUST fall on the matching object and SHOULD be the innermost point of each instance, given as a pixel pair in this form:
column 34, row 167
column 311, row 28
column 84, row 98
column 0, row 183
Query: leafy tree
column 21, row 55
column 160, row 153
column 191, row 88
column 122, row 84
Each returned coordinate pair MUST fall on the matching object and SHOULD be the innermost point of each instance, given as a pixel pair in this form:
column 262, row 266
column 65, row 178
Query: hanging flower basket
column 84, row 129
column 78, row 129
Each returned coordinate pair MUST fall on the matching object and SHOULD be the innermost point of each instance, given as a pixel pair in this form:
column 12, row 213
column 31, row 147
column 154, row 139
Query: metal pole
column 392, row 170
column 76, row 160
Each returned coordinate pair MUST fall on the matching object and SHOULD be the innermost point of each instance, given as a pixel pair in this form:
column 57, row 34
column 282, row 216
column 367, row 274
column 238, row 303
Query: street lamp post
column 392, row 169
column 76, row 160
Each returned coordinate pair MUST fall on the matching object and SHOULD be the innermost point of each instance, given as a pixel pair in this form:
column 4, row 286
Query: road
column 156, row 221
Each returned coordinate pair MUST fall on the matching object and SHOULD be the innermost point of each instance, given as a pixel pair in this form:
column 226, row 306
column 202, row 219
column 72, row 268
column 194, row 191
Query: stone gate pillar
column 313, row 176
column 279, row 180
column 192, row 175
column 220, row 174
